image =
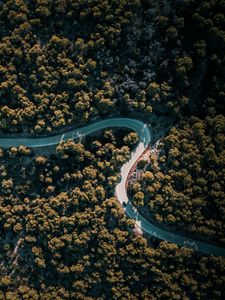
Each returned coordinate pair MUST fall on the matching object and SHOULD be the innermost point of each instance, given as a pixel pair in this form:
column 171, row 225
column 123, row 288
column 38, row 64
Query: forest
column 62, row 228
column 183, row 185
column 65, row 63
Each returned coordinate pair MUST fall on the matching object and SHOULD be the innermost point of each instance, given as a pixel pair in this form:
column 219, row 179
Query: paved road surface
column 144, row 139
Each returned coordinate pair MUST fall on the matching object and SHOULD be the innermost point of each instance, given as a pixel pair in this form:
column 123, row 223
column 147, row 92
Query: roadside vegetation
column 182, row 186
column 64, row 235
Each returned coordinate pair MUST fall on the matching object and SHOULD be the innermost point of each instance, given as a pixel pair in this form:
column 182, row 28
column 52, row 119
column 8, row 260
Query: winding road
column 144, row 139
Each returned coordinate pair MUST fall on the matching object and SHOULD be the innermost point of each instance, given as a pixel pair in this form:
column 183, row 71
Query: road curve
column 144, row 139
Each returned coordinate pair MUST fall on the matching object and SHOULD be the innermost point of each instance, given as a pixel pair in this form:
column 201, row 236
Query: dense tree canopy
column 183, row 186
column 64, row 235
column 63, row 63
